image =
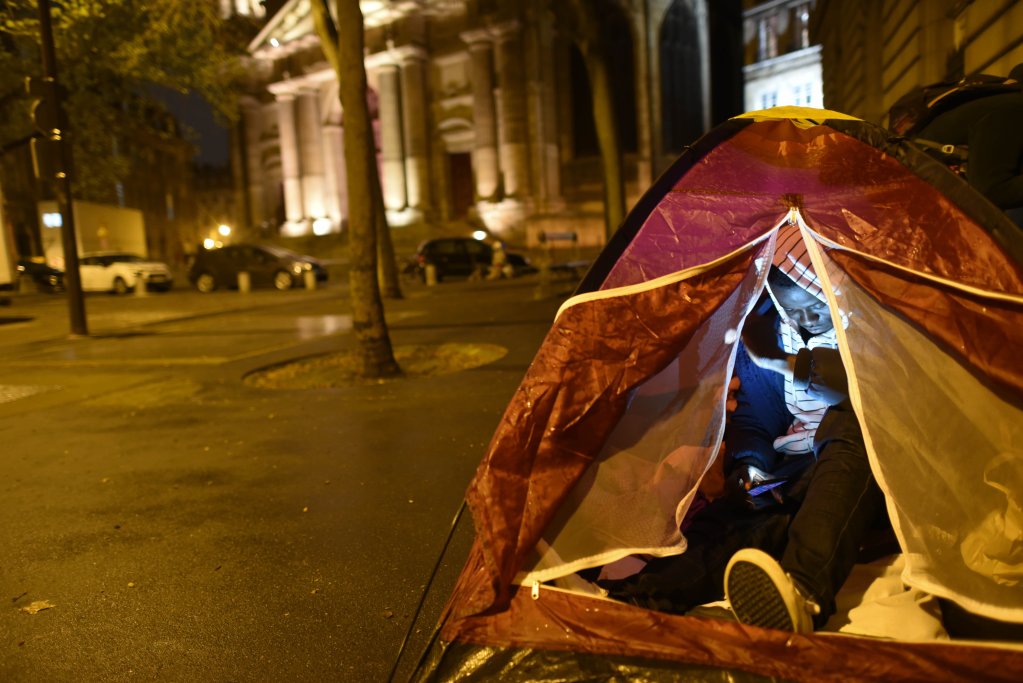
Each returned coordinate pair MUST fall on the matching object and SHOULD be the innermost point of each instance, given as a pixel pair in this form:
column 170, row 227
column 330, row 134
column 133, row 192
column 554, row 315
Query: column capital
column 506, row 29
column 481, row 38
column 477, row 38
column 282, row 91
column 307, row 82
column 411, row 53
column 396, row 56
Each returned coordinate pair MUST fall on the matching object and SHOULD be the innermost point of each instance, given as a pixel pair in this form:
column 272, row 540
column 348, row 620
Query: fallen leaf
column 37, row 606
column 388, row 614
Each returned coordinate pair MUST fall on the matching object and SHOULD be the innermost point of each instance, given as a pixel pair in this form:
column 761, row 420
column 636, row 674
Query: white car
column 121, row 272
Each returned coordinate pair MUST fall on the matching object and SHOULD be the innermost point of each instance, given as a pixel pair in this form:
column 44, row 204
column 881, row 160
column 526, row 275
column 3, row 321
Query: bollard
column 244, row 281
column 26, row 284
column 431, row 274
column 310, row 280
column 543, row 288
column 140, row 285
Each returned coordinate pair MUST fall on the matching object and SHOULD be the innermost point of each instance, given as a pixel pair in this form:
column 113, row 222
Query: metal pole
column 72, row 279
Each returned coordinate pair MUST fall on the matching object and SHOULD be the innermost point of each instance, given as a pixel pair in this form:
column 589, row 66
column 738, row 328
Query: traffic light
column 47, row 154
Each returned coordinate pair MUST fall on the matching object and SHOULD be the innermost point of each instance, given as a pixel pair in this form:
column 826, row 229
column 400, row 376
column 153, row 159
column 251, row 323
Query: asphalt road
column 176, row 524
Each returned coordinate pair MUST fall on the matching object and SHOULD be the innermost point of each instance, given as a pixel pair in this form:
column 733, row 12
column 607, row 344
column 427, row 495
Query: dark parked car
column 46, row 277
column 461, row 257
column 267, row 266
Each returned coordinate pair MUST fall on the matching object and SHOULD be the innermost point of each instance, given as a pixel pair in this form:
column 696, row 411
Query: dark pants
column 817, row 532
column 679, row 583
column 842, row 502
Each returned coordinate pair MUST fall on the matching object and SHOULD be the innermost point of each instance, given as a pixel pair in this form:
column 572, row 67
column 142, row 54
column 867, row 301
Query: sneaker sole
column 752, row 591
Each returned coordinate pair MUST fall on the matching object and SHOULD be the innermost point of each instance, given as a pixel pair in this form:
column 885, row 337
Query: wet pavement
column 185, row 526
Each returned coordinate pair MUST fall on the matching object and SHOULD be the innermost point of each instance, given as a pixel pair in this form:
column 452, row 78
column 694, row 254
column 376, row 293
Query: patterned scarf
column 792, row 258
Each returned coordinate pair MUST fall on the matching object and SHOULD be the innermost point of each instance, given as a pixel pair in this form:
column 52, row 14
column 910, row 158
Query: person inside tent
column 797, row 464
column 793, row 408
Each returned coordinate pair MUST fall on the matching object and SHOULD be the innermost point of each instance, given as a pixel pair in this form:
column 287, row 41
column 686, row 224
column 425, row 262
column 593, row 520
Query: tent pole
column 422, row 599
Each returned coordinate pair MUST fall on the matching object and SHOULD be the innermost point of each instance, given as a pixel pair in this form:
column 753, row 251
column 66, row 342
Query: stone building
column 875, row 51
column 783, row 66
column 482, row 112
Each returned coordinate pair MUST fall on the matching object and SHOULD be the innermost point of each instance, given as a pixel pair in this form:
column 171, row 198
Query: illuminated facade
column 241, row 8
column 875, row 51
column 782, row 67
column 482, row 112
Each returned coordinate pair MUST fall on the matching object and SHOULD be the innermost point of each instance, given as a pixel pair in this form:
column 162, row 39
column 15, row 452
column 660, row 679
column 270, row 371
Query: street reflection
column 312, row 326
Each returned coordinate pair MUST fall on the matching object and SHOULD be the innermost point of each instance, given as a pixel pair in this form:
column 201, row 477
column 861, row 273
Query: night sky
column 211, row 138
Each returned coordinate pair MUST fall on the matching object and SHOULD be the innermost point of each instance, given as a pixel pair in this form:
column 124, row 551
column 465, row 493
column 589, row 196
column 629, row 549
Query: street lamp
column 224, row 230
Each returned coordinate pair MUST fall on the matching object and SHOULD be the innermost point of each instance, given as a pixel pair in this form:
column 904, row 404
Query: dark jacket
column 762, row 415
column 990, row 128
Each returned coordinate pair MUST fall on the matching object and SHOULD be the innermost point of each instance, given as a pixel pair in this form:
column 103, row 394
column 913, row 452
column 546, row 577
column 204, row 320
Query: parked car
column 461, row 257
column 46, row 277
column 121, row 272
column 267, row 266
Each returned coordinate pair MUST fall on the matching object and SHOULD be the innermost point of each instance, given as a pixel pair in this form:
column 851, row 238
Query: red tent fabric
column 925, row 272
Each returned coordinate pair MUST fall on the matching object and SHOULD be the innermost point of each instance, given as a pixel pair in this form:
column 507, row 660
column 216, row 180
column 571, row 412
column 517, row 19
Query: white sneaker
column 762, row 594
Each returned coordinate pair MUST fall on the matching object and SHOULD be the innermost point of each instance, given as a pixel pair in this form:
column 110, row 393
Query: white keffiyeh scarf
column 791, row 258
column 806, row 411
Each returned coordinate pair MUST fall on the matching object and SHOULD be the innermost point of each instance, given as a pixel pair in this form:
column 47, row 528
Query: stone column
column 270, row 164
column 252, row 122
column 415, row 115
column 645, row 99
column 543, row 129
column 290, row 171
column 392, row 145
column 484, row 153
column 335, row 177
column 512, row 122
column 311, row 155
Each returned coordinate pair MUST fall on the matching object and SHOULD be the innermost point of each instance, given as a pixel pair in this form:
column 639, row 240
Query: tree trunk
column 387, row 265
column 581, row 21
column 606, row 120
column 343, row 46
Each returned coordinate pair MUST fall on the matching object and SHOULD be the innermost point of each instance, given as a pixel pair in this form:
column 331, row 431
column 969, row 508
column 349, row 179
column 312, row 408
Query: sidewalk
column 186, row 526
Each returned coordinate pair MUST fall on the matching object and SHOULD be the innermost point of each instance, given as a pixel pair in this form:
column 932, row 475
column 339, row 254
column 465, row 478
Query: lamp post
column 52, row 121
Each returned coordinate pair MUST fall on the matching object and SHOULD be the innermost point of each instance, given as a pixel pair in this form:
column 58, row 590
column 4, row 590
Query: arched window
column 681, row 87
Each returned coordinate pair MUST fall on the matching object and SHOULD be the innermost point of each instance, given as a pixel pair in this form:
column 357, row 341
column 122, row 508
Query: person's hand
column 745, row 478
column 761, row 342
column 730, row 400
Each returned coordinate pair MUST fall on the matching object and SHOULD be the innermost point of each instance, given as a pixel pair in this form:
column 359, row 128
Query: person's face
column 805, row 310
